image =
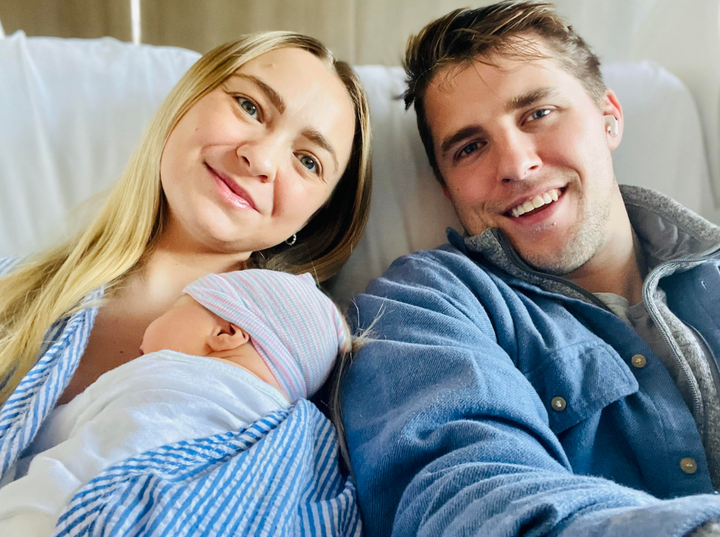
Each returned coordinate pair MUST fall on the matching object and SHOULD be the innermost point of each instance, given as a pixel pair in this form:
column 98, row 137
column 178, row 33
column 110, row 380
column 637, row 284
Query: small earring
column 292, row 240
column 612, row 125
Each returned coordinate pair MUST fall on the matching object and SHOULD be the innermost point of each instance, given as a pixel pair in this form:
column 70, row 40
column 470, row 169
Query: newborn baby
column 233, row 348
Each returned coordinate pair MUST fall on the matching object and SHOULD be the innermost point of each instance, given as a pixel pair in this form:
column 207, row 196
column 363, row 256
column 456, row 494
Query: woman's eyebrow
column 272, row 95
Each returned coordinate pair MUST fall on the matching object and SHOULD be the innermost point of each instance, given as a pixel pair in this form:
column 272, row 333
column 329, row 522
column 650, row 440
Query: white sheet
column 157, row 399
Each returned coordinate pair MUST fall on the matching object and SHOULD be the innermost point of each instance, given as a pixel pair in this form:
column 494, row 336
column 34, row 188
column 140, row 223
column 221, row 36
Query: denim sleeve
column 447, row 437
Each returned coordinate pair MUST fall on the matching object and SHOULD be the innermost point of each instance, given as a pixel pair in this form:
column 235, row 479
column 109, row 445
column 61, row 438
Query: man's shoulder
column 430, row 264
column 444, row 270
column 445, row 254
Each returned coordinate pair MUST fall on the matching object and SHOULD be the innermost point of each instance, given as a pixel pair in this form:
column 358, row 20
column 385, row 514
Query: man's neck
column 619, row 268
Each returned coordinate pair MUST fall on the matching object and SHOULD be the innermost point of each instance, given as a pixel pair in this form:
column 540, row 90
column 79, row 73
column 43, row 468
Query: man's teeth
column 537, row 201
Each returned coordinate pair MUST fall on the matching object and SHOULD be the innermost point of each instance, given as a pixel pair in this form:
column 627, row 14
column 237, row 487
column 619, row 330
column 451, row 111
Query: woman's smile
column 231, row 190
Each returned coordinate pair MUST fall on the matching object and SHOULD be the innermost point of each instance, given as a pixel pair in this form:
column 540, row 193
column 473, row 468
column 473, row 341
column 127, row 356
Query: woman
column 259, row 157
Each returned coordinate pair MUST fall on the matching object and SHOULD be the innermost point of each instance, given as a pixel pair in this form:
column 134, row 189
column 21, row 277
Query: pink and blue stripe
column 297, row 330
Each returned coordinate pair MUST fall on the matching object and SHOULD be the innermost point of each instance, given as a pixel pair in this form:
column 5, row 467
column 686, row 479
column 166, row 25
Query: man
column 552, row 371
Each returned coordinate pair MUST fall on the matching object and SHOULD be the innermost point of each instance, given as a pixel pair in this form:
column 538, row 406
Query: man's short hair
column 467, row 35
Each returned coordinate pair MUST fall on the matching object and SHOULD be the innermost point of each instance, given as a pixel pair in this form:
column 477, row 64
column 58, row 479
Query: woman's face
column 251, row 162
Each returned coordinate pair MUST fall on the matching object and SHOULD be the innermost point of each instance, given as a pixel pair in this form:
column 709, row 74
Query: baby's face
column 183, row 328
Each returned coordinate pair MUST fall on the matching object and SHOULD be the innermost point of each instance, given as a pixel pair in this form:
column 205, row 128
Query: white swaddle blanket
column 157, row 399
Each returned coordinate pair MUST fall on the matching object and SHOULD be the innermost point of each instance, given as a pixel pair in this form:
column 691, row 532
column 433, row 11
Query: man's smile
column 528, row 206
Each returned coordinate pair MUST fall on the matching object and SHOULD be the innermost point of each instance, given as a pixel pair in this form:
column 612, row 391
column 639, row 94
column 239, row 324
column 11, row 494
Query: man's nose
column 260, row 157
column 518, row 157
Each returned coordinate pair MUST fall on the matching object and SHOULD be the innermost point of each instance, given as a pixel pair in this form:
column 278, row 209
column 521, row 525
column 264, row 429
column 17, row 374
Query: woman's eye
column 248, row 106
column 309, row 163
column 539, row 114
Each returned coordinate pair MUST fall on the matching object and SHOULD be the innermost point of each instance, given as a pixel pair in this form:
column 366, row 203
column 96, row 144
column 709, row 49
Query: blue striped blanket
column 277, row 477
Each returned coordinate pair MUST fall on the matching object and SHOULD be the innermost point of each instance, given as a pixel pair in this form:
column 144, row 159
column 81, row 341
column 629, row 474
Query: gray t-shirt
column 689, row 367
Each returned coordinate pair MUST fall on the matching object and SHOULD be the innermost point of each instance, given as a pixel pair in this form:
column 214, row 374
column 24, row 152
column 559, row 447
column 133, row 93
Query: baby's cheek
column 156, row 336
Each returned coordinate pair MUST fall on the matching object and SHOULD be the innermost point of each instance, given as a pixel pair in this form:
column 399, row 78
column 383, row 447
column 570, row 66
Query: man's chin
column 556, row 265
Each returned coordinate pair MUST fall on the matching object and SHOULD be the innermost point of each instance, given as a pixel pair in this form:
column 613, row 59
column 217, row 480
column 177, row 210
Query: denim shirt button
column 688, row 465
column 558, row 404
column 638, row 361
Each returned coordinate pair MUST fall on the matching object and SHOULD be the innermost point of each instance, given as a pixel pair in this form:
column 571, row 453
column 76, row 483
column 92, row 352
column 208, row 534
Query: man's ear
column 611, row 107
column 446, row 191
column 227, row 336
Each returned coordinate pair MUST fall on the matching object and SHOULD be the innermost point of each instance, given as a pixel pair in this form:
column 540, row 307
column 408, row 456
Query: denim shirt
column 490, row 403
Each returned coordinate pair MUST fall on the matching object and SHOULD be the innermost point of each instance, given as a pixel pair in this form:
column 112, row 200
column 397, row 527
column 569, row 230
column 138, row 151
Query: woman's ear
column 226, row 337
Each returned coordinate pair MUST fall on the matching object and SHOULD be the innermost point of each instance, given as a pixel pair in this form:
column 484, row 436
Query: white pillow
column 663, row 145
column 71, row 112
column 408, row 211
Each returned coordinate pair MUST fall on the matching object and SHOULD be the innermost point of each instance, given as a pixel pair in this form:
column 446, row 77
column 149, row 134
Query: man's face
column 523, row 147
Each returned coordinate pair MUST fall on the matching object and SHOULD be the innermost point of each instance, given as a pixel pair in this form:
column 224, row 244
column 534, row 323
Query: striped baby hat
column 295, row 328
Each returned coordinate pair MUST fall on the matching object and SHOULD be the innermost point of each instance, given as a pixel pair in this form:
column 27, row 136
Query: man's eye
column 469, row 149
column 539, row 114
column 309, row 163
column 248, row 106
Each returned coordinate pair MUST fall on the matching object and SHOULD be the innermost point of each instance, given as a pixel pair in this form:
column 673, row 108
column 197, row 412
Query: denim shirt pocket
column 577, row 381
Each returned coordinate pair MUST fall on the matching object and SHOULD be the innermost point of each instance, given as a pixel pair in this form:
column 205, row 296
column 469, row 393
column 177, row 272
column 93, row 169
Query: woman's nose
column 260, row 158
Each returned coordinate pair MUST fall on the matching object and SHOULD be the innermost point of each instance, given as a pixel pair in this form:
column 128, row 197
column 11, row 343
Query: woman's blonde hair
column 52, row 284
